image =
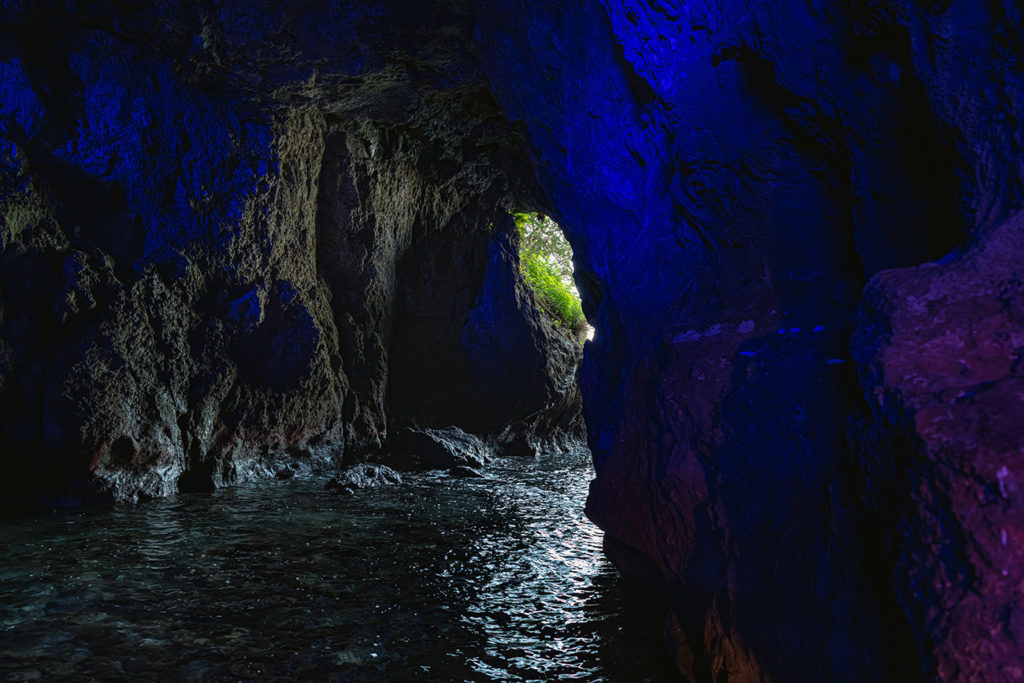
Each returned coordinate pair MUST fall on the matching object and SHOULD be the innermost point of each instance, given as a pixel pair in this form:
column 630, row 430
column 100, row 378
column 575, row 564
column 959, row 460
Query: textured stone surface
column 363, row 476
column 203, row 219
column 730, row 175
column 940, row 354
column 437, row 449
column 221, row 228
column 464, row 472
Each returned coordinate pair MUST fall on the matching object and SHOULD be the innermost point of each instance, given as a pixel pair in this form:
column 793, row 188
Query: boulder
column 437, row 449
column 363, row 476
column 463, row 472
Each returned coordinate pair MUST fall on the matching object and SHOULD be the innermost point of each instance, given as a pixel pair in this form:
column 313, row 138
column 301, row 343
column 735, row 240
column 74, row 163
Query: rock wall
column 732, row 175
column 939, row 352
column 227, row 231
column 203, row 245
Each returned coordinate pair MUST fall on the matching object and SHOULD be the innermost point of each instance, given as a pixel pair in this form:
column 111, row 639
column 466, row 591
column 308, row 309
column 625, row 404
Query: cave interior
column 243, row 238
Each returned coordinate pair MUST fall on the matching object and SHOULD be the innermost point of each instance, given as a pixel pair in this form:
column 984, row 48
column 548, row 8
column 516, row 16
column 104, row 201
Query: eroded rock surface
column 437, row 449
column 940, row 354
column 204, row 220
column 363, row 475
column 731, row 174
column 247, row 236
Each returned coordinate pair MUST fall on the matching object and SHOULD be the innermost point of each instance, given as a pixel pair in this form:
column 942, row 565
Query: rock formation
column 229, row 247
column 732, row 175
column 248, row 235
column 363, row 475
column 429, row 449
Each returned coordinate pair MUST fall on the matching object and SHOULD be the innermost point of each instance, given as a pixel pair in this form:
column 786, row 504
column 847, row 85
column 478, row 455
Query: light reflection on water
column 440, row 579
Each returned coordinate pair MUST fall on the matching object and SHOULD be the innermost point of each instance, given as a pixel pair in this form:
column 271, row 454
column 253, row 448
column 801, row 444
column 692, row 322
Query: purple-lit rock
column 940, row 354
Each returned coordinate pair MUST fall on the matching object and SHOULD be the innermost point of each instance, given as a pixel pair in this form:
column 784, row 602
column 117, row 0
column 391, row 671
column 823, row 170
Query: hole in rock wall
column 546, row 262
column 488, row 332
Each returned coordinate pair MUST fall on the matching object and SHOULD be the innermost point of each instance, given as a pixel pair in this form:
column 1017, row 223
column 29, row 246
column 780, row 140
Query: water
column 440, row 579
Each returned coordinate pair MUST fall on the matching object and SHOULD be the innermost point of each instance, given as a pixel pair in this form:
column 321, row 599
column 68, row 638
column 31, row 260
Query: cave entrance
column 546, row 262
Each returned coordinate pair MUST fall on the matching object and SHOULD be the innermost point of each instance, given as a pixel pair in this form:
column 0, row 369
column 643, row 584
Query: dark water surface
column 441, row 579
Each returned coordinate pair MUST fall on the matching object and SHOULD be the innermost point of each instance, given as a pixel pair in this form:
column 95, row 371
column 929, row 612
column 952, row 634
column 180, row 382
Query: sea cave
column 289, row 390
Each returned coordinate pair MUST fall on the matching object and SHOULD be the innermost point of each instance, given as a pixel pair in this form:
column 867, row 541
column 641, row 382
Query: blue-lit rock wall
column 794, row 229
column 732, row 175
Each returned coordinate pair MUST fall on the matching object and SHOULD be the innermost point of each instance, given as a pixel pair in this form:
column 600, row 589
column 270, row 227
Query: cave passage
column 247, row 241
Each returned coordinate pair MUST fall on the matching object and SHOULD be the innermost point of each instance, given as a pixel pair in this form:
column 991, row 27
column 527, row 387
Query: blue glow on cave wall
column 17, row 99
column 187, row 163
column 601, row 137
column 678, row 155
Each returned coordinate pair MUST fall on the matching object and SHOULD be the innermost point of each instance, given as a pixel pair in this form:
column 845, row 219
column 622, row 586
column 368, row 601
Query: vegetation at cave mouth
column 545, row 259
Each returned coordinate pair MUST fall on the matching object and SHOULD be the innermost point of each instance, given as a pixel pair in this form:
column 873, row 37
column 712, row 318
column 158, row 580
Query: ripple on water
column 441, row 579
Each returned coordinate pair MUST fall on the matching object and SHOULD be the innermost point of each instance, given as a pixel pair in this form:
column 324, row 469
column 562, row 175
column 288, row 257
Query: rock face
column 939, row 352
column 732, row 175
column 245, row 237
column 205, row 279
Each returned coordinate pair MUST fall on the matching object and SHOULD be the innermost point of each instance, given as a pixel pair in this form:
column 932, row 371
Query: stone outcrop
column 940, row 353
column 363, row 475
column 437, row 449
column 246, row 237
column 206, row 279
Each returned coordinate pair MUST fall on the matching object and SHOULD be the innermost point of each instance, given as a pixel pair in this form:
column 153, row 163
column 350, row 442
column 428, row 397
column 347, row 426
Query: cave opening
column 547, row 262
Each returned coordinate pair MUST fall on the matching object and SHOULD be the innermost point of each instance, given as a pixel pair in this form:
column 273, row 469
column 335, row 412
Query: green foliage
column 545, row 259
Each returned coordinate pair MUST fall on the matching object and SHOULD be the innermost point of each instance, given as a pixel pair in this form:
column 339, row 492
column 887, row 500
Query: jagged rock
column 532, row 440
column 519, row 446
column 363, row 476
column 192, row 294
column 437, row 449
column 463, row 472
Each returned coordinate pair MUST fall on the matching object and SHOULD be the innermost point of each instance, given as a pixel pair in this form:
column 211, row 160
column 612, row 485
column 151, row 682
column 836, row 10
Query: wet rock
column 464, row 472
column 533, row 439
column 437, row 449
column 519, row 446
column 363, row 476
